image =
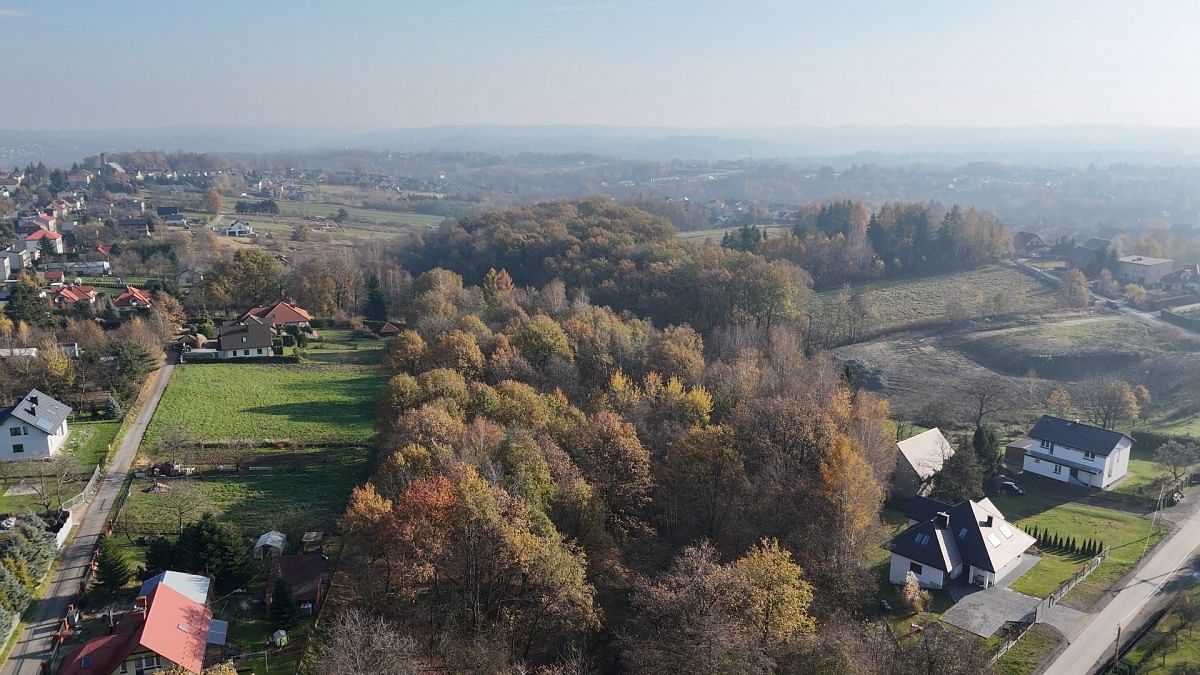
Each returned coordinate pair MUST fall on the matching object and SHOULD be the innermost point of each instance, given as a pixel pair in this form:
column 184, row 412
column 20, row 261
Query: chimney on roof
column 33, row 400
column 141, row 604
column 942, row 521
column 986, row 522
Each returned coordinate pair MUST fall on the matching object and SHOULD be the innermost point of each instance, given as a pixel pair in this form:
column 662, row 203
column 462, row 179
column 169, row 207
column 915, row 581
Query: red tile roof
column 53, row 275
column 280, row 313
column 104, row 250
column 133, row 297
column 72, row 294
column 174, row 627
column 38, row 235
column 177, row 628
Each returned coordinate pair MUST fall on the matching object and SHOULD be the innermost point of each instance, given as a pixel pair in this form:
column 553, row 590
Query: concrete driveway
column 983, row 612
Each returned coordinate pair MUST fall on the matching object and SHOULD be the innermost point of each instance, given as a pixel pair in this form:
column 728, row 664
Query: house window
column 922, row 538
column 1110, row 465
column 1036, row 460
column 18, row 447
column 146, row 664
column 1089, row 456
column 245, row 352
column 915, row 568
column 1058, row 468
column 260, row 350
column 19, row 431
column 1047, row 444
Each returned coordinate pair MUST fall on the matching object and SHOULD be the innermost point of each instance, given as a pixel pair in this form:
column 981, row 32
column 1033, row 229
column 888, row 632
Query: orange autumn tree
column 853, row 497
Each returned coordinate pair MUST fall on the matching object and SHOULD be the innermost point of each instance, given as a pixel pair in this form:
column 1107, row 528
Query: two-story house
column 1076, row 453
column 34, row 428
column 250, row 337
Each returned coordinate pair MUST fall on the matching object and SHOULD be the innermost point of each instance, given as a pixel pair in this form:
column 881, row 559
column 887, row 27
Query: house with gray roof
column 34, row 428
column 970, row 541
column 1076, row 453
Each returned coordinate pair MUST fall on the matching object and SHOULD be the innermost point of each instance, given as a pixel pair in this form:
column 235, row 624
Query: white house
column 33, row 242
column 919, row 459
column 1143, row 270
column 239, row 228
column 35, row 428
column 1076, row 453
column 970, row 538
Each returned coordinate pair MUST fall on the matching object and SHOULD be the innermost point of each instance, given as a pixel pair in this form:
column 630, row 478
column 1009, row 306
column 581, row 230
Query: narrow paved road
column 1098, row 639
column 1147, row 318
column 34, row 644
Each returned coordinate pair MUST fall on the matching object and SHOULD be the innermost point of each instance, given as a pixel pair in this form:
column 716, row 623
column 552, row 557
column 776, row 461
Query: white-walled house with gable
column 34, row 428
column 1076, row 453
column 969, row 541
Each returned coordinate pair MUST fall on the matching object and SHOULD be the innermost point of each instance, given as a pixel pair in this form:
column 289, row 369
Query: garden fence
column 86, row 495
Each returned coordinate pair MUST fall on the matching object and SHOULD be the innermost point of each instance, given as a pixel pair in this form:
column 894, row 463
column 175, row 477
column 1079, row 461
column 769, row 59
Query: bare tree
column 984, row 397
column 358, row 643
column 240, row 452
column 50, row 489
column 185, row 500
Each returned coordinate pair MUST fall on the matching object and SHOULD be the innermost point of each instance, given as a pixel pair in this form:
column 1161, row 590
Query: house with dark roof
column 134, row 227
column 1075, row 453
column 245, row 338
column 34, row 428
column 969, row 541
column 303, row 573
column 165, row 628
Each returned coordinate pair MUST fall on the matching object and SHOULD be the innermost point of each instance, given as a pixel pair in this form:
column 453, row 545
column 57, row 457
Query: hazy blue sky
column 372, row 65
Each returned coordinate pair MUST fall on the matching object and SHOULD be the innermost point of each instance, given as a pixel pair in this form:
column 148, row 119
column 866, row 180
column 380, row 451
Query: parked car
column 1113, row 304
column 1009, row 486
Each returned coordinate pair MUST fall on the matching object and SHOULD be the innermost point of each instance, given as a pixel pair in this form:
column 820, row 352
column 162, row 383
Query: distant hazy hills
column 1076, row 145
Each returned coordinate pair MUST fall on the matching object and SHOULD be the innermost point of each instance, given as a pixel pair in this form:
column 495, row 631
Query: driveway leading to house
column 33, row 645
column 983, row 613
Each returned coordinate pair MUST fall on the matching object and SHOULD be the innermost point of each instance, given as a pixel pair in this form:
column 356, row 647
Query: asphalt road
column 1147, row 318
column 1098, row 639
column 33, row 646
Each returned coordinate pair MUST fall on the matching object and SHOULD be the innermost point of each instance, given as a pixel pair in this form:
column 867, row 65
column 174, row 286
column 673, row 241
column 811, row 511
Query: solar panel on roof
column 43, row 424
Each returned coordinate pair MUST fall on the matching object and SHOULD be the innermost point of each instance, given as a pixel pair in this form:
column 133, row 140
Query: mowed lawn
column 309, row 500
column 904, row 301
column 318, row 403
column 1127, row 535
column 89, row 441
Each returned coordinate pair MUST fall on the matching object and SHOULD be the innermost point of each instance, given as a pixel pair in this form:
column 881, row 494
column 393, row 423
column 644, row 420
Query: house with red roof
column 33, row 242
column 104, row 250
column 280, row 314
column 65, row 296
column 165, row 628
column 38, row 221
column 132, row 299
column 53, row 275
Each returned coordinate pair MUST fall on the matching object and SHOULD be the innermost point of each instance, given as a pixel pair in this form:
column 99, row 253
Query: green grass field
column 1172, row 647
column 89, row 441
column 338, row 345
column 309, row 500
column 1127, row 535
column 903, row 301
column 320, row 403
column 1034, row 646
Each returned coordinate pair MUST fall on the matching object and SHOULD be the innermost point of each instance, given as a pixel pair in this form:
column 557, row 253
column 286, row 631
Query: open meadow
column 318, row 404
column 899, row 302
